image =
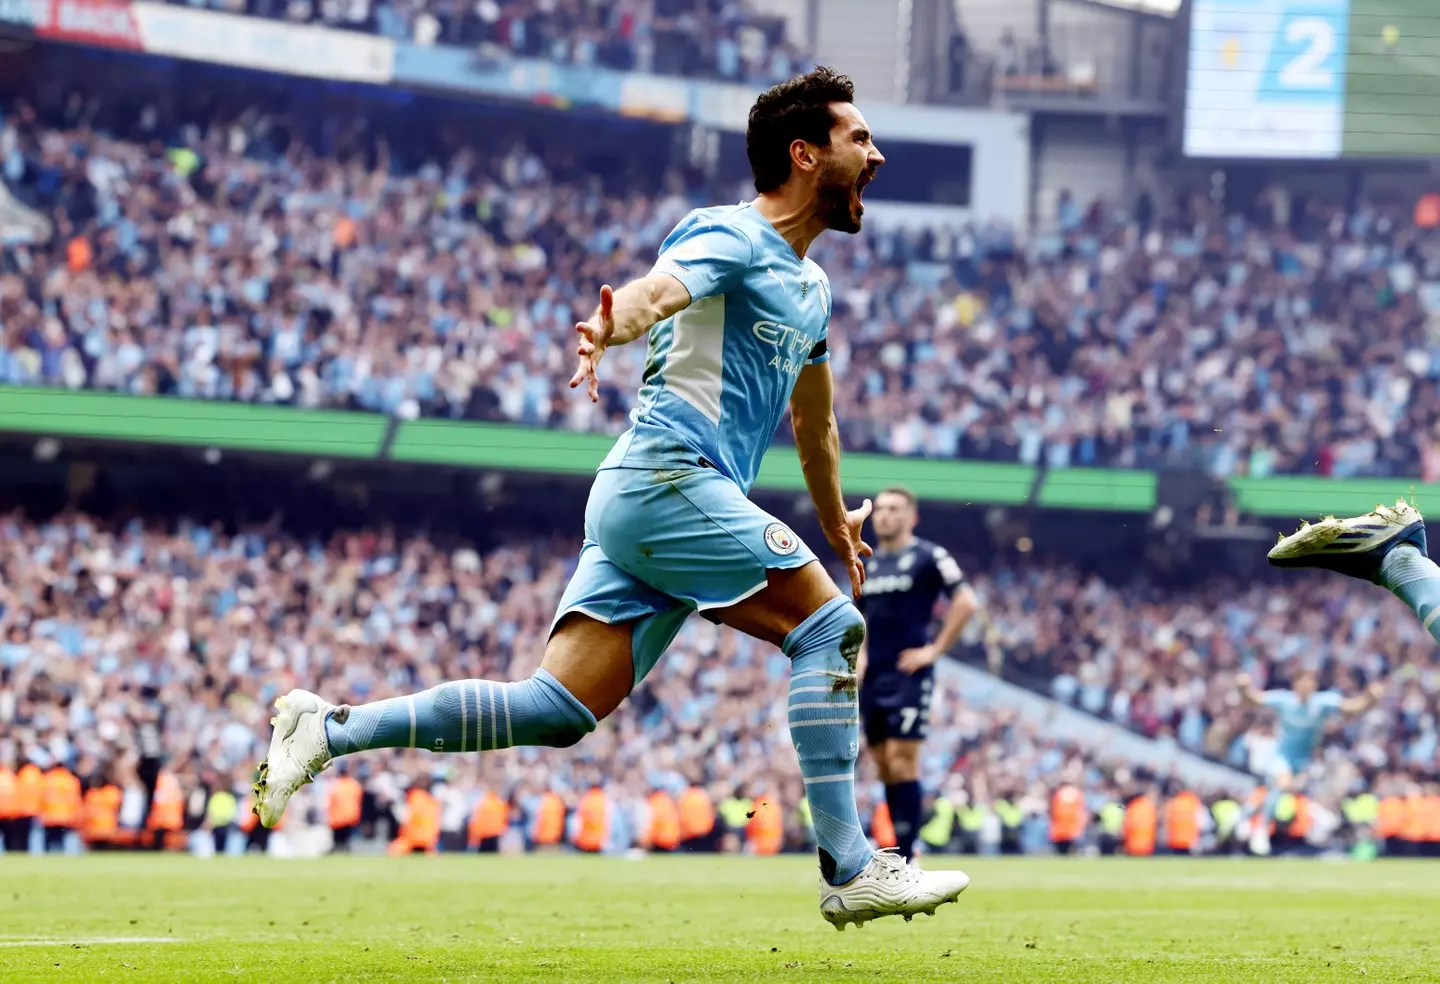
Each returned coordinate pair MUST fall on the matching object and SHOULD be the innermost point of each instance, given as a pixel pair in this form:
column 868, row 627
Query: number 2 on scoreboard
column 1307, row 69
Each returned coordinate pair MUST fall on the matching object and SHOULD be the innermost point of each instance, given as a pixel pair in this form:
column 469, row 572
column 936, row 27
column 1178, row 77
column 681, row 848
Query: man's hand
column 914, row 660
column 850, row 548
column 1242, row 681
column 595, row 334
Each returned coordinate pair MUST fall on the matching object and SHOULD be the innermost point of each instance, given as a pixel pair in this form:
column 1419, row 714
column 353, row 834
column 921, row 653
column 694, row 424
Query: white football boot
column 1356, row 546
column 889, row 886
column 299, row 751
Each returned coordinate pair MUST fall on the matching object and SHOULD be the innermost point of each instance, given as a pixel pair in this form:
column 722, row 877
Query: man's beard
column 838, row 208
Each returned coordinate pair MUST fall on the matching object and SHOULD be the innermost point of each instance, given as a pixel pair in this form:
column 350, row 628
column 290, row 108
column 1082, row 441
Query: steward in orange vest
column 664, row 827
column 548, row 829
column 420, row 833
column 60, row 806
column 765, row 831
column 594, row 822
column 488, row 823
column 101, row 811
column 342, row 806
column 1182, row 822
column 1141, row 823
column 698, row 830
column 1067, row 818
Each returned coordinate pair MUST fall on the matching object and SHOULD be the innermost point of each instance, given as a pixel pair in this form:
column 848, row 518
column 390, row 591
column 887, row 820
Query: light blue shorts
column 660, row 544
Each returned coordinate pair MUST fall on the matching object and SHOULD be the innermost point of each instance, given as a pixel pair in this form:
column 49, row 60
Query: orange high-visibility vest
column 766, row 829
column 1067, row 814
column 1412, row 828
column 62, row 799
column 490, row 818
column 102, row 812
column 1182, row 821
column 594, row 822
column 664, row 832
column 882, row 828
column 550, row 819
column 1140, row 827
column 697, row 813
column 343, row 803
column 9, row 795
column 167, row 810
column 422, row 824
column 1431, row 812
column 29, row 790
column 1300, row 826
column 1390, row 816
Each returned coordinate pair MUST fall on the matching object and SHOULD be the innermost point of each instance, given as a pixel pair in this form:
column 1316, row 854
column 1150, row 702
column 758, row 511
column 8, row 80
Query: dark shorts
column 896, row 705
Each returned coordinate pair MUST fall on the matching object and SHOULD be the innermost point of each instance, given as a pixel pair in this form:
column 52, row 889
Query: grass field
column 171, row 918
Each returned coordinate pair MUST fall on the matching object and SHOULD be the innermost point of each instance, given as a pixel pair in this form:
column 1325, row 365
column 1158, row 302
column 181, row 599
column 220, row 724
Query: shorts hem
column 747, row 593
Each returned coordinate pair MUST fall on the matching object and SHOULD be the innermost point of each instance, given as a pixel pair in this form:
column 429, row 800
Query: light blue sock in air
column 1415, row 579
column 465, row 716
column 825, row 727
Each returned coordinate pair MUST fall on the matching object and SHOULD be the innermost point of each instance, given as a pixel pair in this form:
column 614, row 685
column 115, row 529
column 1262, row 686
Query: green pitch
column 596, row 920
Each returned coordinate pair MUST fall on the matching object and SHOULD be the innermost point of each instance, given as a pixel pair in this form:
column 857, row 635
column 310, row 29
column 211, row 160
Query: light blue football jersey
column 718, row 375
column 1300, row 722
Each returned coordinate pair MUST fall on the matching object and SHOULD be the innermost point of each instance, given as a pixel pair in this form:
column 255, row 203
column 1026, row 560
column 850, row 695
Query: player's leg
column 858, row 884
column 903, row 794
column 802, row 612
column 1386, row 546
column 588, row 669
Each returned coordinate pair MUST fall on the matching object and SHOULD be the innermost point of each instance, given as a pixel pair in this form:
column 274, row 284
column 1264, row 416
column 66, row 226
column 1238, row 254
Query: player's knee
column 835, row 629
column 559, row 719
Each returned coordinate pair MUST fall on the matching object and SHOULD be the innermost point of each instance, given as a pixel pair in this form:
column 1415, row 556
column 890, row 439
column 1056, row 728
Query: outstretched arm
column 817, row 439
column 1363, row 703
column 621, row 317
column 1249, row 693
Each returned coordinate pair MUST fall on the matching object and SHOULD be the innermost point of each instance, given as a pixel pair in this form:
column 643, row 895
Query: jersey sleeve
column 951, row 576
column 1328, row 702
column 708, row 257
column 1277, row 700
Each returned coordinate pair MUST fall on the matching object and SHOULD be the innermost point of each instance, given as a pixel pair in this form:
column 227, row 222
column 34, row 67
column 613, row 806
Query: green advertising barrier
column 203, row 423
column 528, row 449
column 1114, row 489
column 1306, row 497
column 329, row 433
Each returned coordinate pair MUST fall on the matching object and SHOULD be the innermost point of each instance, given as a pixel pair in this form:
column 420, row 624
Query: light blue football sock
column 1415, row 579
column 825, row 727
column 465, row 716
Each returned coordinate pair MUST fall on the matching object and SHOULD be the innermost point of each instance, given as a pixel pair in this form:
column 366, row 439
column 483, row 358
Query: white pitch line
column 93, row 941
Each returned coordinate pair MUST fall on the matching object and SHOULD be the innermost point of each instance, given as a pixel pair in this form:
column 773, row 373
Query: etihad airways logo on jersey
column 794, row 345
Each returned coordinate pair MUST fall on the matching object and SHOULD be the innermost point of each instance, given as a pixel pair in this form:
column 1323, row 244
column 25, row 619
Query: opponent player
column 1301, row 714
column 737, row 317
column 903, row 580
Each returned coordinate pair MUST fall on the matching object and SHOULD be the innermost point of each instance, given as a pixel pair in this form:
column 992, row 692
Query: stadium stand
column 446, row 283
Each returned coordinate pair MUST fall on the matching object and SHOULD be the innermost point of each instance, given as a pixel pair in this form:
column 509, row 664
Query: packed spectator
column 236, row 263
column 168, row 643
column 720, row 39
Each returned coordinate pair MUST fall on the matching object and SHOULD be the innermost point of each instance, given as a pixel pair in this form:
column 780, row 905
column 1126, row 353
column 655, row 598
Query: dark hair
column 899, row 490
column 794, row 110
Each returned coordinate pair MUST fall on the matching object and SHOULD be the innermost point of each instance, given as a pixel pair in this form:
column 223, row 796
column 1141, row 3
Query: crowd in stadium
column 156, row 650
column 233, row 264
column 720, row 39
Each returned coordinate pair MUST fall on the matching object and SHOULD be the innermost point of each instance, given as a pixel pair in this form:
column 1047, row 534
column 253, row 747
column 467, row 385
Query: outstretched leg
column 1386, row 546
column 587, row 671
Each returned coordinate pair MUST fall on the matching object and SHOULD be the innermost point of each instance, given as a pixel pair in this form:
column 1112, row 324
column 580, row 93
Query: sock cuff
column 580, row 712
column 812, row 624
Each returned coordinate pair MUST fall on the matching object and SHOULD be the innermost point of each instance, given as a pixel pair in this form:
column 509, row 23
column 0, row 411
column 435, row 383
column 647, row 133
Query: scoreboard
column 1313, row 79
